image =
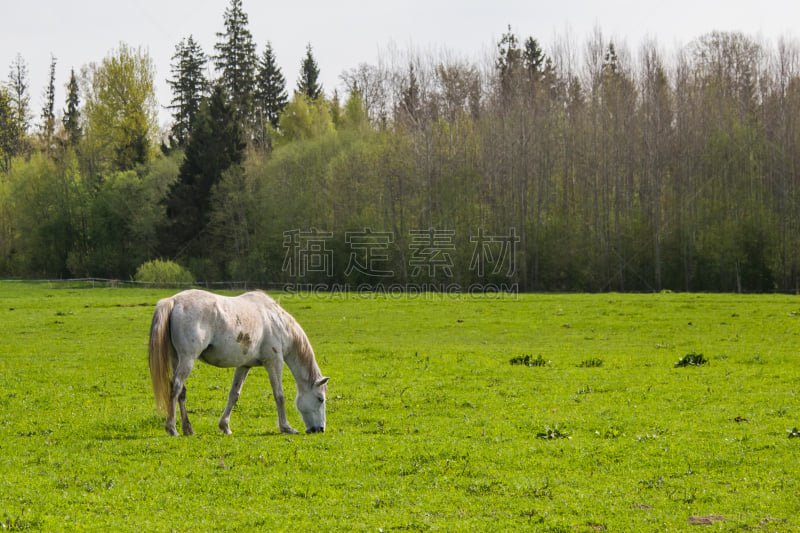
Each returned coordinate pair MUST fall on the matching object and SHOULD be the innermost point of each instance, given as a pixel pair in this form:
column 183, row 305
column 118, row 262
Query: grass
column 429, row 426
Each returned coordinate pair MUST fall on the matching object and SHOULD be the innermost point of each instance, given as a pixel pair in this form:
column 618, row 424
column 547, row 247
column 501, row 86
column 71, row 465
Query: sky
column 346, row 33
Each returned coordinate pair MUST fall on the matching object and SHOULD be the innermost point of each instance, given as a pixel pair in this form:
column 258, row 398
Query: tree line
column 576, row 167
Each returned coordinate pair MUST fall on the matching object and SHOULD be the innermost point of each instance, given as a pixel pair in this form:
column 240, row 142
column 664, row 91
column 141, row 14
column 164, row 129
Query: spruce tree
column 20, row 100
column 509, row 59
column 409, row 104
column 508, row 55
column 534, row 59
column 72, row 115
column 308, row 83
column 271, row 97
column 236, row 60
column 189, row 85
column 215, row 144
column 48, row 110
column 8, row 132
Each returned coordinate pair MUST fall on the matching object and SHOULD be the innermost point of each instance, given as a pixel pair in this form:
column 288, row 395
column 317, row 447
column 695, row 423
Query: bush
column 163, row 273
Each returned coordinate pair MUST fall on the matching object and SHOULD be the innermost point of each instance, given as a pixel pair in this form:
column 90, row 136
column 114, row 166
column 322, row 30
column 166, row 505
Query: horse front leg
column 233, row 396
column 275, row 379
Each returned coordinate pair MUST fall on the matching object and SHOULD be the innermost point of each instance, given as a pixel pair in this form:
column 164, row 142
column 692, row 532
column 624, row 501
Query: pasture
column 430, row 425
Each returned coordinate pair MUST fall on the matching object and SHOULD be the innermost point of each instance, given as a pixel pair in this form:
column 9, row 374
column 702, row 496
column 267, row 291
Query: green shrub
column 163, row 273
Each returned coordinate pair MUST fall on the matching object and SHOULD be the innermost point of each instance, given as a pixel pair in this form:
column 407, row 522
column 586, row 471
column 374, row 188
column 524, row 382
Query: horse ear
column 321, row 381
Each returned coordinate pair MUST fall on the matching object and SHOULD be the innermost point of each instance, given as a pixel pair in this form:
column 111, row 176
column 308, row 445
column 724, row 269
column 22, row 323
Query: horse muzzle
column 316, row 430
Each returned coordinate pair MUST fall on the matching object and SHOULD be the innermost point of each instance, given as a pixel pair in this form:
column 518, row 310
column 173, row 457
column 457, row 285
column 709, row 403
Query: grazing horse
column 240, row 332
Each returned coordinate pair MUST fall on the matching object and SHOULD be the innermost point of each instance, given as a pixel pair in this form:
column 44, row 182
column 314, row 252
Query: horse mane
column 303, row 351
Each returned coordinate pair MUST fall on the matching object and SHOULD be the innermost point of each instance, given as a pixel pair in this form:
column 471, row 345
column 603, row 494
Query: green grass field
column 430, row 425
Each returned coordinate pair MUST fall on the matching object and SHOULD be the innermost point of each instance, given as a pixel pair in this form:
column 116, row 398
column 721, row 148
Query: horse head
column 311, row 404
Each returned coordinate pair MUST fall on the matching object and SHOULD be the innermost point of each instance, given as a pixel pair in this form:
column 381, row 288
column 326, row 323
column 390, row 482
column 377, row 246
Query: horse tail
column 161, row 353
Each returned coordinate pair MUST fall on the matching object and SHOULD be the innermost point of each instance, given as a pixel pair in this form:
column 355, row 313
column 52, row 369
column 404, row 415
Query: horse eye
column 321, row 399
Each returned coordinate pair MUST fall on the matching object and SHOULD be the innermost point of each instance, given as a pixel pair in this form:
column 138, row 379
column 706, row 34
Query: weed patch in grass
column 591, row 363
column 528, row 360
column 692, row 359
column 553, row 433
column 611, row 432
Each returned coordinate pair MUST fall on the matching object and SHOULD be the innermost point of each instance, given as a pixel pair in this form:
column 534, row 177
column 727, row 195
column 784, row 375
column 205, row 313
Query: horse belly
column 228, row 355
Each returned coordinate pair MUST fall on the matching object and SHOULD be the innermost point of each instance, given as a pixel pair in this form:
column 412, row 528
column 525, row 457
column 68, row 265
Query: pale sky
column 346, row 33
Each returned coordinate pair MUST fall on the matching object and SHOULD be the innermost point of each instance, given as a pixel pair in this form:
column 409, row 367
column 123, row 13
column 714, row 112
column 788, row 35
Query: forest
column 548, row 167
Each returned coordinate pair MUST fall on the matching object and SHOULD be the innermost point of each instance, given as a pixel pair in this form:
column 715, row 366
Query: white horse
column 242, row 332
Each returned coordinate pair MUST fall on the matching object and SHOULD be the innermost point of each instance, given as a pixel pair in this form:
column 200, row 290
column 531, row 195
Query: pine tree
column 271, row 97
column 48, row 110
column 308, row 83
column 189, row 85
column 72, row 115
column 236, row 60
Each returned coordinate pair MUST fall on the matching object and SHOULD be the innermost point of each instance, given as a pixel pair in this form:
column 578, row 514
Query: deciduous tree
column 121, row 109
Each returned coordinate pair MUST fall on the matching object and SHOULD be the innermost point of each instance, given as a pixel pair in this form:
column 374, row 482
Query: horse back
column 245, row 330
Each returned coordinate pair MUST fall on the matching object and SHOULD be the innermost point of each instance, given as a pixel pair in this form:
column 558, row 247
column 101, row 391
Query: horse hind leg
column 233, row 396
column 178, row 397
column 186, row 426
column 169, row 424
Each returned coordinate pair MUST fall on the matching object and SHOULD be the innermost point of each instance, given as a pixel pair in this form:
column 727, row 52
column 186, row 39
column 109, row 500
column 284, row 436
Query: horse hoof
column 290, row 431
